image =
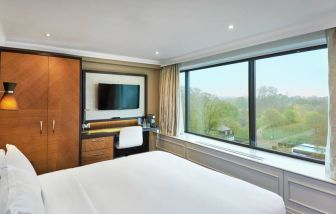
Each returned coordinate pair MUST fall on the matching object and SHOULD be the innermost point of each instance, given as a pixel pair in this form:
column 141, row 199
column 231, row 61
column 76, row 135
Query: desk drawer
column 97, row 143
column 97, row 155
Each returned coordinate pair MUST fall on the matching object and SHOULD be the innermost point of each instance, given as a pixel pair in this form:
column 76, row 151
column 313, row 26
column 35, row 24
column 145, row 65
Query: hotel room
column 167, row 107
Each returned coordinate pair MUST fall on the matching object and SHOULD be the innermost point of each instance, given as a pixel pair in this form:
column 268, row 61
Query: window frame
column 251, row 99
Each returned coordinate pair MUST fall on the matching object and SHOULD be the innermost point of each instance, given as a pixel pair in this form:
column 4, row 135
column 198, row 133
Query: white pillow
column 2, row 156
column 14, row 157
column 4, row 189
column 18, row 192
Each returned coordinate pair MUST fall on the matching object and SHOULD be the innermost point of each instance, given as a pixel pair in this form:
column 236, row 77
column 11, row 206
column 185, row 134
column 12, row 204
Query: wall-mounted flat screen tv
column 118, row 96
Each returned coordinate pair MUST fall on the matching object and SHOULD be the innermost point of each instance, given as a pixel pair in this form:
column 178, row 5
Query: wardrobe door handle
column 41, row 126
column 53, row 125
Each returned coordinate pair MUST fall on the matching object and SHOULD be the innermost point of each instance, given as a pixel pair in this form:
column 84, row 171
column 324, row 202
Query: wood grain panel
column 22, row 127
column 63, row 108
column 97, row 143
column 97, row 156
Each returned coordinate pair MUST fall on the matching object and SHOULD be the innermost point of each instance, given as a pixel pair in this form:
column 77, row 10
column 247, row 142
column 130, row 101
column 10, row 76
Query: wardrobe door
column 63, row 113
column 26, row 128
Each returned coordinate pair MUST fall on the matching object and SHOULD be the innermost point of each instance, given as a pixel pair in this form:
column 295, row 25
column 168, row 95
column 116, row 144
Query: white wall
column 91, row 95
column 2, row 35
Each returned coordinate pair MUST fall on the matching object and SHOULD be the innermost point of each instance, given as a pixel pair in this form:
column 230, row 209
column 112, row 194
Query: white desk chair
column 130, row 137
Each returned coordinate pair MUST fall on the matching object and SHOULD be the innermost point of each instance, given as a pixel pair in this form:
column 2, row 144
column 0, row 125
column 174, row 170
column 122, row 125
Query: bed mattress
column 153, row 182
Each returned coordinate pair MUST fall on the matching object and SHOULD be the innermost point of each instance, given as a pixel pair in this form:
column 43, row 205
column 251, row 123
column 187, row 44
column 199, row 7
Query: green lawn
column 286, row 131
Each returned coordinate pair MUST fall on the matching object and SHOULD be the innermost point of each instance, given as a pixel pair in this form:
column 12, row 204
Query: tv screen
column 118, row 96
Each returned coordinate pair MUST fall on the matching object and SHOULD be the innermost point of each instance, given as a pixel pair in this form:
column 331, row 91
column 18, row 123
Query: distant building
column 226, row 133
column 309, row 150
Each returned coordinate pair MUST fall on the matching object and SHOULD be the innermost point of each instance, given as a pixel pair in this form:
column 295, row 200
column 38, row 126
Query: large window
column 218, row 102
column 277, row 103
column 292, row 103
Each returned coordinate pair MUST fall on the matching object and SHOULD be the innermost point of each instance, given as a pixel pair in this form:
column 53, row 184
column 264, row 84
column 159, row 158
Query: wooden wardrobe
column 46, row 126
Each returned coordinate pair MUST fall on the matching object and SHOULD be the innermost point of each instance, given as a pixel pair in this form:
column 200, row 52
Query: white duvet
column 153, row 182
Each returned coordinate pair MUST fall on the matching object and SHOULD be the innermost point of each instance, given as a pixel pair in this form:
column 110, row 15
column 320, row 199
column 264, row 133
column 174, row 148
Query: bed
column 153, row 182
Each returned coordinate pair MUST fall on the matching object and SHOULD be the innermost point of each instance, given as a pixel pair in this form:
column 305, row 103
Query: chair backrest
column 130, row 137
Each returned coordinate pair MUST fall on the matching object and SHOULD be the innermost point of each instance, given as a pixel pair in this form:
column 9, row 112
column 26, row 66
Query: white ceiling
column 179, row 29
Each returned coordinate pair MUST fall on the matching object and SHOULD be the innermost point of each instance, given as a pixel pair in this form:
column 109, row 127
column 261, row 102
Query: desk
column 109, row 132
column 98, row 145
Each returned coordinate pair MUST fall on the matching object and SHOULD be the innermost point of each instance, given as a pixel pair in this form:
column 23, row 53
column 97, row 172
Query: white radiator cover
column 301, row 194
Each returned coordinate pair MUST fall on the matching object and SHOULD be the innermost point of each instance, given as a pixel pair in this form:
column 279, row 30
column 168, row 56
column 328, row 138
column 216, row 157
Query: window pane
column 219, row 102
column 292, row 103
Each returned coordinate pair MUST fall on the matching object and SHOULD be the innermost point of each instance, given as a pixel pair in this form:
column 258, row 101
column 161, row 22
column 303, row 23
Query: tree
column 195, row 111
column 308, row 115
column 273, row 118
column 209, row 112
column 313, row 120
column 267, row 97
column 318, row 122
column 213, row 113
column 291, row 115
column 267, row 91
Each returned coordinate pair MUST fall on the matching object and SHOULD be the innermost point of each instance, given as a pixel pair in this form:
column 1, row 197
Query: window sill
column 301, row 167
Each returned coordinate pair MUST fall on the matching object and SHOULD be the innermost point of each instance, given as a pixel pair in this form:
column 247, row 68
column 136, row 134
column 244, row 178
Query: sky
column 300, row 74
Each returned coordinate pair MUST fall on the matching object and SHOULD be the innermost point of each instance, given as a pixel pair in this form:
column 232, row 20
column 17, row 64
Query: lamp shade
column 8, row 101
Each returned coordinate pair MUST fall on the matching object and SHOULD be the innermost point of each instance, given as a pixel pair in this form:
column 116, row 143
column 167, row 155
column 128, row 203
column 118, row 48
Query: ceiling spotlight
column 47, row 34
column 157, row 52
column 230, row 27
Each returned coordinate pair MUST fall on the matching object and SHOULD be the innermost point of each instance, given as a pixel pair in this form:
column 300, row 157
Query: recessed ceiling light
column 47, row 34
column 230, row 27
column 157, row 52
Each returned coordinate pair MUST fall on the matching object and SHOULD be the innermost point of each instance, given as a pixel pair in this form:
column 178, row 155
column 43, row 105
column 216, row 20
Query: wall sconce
column 8, row 101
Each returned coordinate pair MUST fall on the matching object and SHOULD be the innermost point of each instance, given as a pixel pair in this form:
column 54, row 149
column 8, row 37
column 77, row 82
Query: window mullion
column 187, row 101
column 252, row 106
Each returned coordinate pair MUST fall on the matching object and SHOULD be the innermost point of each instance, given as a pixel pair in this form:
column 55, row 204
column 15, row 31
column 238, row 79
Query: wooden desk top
column 109, row 132
column 102, row 131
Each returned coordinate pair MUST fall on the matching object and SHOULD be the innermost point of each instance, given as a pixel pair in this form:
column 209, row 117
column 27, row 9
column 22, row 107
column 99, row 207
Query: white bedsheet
column 153, row 183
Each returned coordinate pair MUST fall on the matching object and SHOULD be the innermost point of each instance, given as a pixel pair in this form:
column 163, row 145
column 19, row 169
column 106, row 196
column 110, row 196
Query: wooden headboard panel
column 113, row 124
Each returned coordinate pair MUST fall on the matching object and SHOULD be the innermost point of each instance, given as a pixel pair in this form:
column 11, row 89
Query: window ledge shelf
column 301, row 167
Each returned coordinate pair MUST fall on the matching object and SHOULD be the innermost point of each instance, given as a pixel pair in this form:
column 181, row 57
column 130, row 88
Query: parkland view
column 291, row 103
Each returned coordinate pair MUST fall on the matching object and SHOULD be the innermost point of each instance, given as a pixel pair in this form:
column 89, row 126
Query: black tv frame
column 102, row 87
